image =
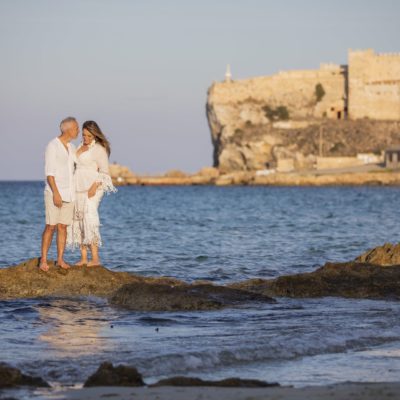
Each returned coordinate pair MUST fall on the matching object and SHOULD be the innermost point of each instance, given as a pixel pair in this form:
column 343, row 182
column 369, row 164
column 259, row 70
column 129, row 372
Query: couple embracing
column 76, row 180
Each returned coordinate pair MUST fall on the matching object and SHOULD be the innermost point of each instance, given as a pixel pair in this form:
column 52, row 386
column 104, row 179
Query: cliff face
column 256, row 122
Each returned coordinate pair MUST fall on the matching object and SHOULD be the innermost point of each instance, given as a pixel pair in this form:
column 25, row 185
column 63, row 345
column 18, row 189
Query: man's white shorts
column 56, row 215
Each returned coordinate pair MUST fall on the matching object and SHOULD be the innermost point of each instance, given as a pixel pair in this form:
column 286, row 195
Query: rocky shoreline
column 122, row 382
column 373, row 275
column 121, row 375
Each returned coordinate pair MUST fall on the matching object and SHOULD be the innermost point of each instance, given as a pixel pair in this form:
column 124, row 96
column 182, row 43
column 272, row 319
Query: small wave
column 170, row 364
column 21, row 310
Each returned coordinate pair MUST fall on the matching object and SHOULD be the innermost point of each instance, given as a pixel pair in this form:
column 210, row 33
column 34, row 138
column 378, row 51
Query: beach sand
column 342, row 391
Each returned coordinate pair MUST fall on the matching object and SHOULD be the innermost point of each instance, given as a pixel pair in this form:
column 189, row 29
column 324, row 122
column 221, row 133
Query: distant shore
column 374, row 176
column 348, row 391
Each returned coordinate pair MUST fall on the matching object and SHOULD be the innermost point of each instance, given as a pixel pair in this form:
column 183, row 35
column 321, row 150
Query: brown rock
column 10, row 377
column 27, row 281
column 122, row 175
column 235, row 178
column 164, row 180
column 210, row 172
column 388, row 254
column 108, row 375
column 229, row 382
column 161, row 297
column 355, row 279
column 175, row 173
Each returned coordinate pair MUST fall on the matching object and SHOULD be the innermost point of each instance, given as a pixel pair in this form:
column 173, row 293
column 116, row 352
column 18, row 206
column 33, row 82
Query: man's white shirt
column 60, row 163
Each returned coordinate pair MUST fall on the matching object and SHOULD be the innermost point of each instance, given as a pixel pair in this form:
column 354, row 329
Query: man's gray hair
column 65, row 122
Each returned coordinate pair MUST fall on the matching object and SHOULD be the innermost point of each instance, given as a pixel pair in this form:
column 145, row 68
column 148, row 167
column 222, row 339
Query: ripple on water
column 221, row 235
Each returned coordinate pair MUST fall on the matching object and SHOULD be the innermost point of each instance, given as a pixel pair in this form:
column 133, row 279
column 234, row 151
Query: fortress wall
column 292, row 89
column 374, row 85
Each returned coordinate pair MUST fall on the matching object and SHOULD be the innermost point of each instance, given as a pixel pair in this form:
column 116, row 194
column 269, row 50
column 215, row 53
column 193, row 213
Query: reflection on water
column 73, row 327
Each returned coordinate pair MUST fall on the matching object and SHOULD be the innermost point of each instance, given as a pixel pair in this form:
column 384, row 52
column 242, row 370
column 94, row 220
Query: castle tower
column 228, row 75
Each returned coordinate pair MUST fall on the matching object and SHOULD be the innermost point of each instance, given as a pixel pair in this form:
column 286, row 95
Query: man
column 59, row 193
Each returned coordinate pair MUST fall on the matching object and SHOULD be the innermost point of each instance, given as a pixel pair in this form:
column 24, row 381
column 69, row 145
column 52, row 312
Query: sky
column 141, row 69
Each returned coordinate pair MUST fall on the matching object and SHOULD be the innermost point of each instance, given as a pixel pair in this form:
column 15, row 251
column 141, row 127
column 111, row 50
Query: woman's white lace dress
column 91, row 166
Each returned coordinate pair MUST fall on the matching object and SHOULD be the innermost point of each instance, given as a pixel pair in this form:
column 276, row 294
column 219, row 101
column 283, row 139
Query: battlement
column 367, row 87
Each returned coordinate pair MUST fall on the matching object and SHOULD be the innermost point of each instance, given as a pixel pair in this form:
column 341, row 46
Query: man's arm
column 50, row 169
column 57, row 200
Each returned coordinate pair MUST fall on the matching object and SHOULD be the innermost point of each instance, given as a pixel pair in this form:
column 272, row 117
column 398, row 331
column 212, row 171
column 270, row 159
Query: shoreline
column 213, row 177
column 339, row 391
column 241, row 178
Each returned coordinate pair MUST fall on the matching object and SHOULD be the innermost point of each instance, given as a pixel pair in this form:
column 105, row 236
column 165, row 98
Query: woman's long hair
column 99, row 136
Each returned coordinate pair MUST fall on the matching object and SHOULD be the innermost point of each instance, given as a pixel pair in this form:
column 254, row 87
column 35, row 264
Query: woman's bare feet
column 81, row 263
column 93, row 263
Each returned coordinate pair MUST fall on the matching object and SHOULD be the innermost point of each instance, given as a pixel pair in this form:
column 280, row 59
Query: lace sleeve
column 104, row 177
column 106, row 183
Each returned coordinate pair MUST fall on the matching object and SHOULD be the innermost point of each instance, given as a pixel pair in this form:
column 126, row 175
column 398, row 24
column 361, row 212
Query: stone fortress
column 256, row 122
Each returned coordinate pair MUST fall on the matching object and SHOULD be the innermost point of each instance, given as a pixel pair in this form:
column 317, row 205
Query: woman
column 92, row 180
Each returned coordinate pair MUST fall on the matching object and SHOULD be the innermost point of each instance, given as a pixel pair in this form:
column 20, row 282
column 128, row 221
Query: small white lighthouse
column 228, row 75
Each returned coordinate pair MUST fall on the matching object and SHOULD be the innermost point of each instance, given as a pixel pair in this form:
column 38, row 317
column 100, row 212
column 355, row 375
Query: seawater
column 222, row 234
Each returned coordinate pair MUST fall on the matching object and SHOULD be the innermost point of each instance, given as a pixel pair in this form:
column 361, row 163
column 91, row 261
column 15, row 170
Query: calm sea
column 222, row 234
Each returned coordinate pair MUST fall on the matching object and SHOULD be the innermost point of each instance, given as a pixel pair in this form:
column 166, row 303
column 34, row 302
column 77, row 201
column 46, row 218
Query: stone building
column 374, row 85
column 256, row 122
column 392, row 157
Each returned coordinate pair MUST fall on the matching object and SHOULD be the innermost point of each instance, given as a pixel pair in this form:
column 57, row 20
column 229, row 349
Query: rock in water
column 11, row 377
column 229, row 382
column 386, row 255
column 27, row 281
column 350, row 280
column 108, row 375
column 159, row 297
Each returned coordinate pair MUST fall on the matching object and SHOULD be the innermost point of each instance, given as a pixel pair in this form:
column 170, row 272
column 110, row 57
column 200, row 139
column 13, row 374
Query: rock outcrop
column 27, row 281
column 386, row 255
column 374, row 275
column 228, row 382
column 246, row 136
column 108, row 375
column 123, row 375
column 161, row 297
column 12, row 377
column 122, row 175
column 121, row 288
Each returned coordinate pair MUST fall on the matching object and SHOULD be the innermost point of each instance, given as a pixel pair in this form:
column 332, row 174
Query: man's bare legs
column 61, row 240
column 47, row 238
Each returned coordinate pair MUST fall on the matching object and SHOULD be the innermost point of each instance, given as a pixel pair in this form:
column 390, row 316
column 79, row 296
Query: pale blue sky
column 141, row 69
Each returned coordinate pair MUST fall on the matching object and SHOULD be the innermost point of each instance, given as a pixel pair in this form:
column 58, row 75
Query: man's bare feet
column 62, row 264
column 93, row 263
column 44, row 266
column 81, row 263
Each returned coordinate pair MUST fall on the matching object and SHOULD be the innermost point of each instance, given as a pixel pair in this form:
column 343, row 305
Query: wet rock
column 229, row 382
column 161, row 297
column 27, row 281
column 351, row 280
column 11, row 377
column 108, row 375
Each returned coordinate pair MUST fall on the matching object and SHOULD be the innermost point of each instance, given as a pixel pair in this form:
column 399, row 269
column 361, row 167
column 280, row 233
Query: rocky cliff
column 256, row 122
